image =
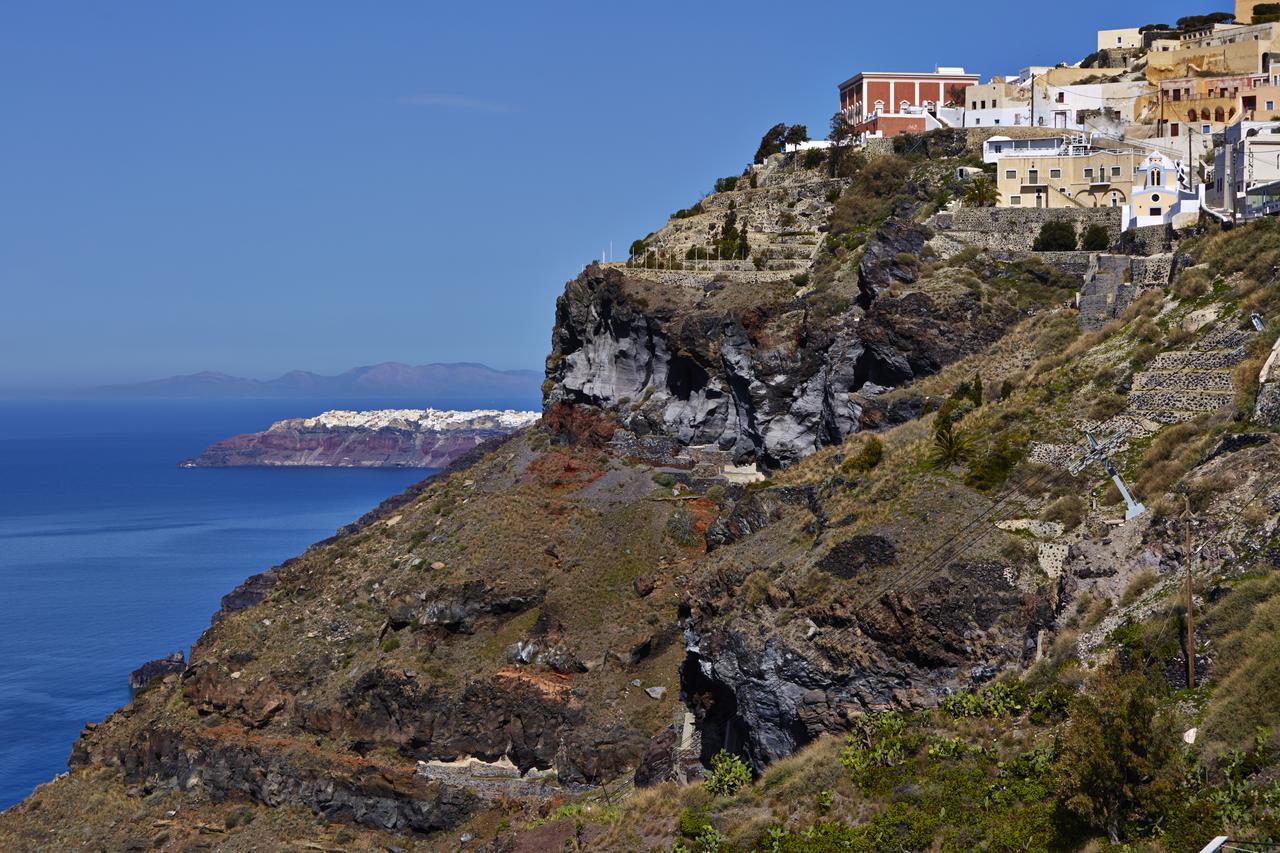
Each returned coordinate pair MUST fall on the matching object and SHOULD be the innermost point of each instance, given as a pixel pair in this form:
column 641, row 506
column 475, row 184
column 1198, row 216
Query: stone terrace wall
column 1149, row 240
column 1014, row 228
column 1072, row 263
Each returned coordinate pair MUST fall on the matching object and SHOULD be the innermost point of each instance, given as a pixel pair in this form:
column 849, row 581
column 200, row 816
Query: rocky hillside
column 798, row 559
column 387, row 438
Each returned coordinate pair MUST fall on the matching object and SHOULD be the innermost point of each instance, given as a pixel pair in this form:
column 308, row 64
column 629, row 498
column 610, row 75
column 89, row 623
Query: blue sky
column 259, row 186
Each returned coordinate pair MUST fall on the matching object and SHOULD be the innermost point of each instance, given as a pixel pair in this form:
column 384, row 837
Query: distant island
column 460, row 385
column 387, row 438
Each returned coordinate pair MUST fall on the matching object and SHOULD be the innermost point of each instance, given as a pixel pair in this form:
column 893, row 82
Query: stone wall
column 1015, row 228
column 878, row 146
column 1149, row 240
column 1072, row 263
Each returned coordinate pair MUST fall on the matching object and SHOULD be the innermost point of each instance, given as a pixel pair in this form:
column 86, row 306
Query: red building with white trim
column 891, row 103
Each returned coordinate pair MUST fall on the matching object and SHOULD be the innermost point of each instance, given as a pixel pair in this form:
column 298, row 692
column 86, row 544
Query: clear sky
column 259, row 186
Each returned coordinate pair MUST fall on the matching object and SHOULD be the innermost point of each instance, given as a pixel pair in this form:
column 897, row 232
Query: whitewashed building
column 1161, row 196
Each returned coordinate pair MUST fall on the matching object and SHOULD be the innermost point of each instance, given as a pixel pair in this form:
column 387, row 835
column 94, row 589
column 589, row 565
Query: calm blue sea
column 111, row 555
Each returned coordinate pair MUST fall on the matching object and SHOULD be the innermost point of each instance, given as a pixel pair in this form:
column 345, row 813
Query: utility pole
column 1191, row 166
column 1033, row 100
column 1191, row 629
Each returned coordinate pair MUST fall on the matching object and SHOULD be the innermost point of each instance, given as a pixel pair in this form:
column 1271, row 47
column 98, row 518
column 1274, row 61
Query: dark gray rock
column 171, row 664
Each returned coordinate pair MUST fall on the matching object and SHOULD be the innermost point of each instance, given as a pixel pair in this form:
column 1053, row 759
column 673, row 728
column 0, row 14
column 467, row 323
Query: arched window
column 903, row 104
column 1191, row 115
column 880, row 108
column 1204, row 114
column 1232, row 114
column 1219, row 114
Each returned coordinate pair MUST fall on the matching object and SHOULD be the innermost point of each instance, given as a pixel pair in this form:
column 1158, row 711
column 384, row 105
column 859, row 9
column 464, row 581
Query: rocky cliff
column 391, row 438
column 597, row 600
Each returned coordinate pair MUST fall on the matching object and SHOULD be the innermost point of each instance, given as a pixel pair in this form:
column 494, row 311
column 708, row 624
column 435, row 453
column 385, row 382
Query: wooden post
column 1191, row 630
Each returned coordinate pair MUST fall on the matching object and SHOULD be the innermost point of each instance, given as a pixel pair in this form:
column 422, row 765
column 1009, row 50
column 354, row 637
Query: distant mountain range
column 461, row 385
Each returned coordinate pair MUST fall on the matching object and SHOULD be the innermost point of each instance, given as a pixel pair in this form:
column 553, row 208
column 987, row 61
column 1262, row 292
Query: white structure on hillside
column 997, row 148
column 1160, row 197
column 1102, row 107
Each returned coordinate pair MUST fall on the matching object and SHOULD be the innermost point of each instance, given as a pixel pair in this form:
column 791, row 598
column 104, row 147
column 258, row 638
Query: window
column 1033, row 176
column 1088, row 173
column 1155, row 211
column 1062, row 97
column 1015, row 200
column 1271, row 105
column 1055, row 173
column 1115, row 171
column 997, row 121
column 1011, row 174
column 1173, row 129
column 1204, row 128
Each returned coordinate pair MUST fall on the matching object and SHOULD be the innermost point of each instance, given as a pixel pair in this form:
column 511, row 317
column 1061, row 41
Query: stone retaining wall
column 1016, row 228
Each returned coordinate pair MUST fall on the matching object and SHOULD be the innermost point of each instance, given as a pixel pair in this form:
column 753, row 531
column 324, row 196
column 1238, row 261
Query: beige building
column 994, row 95
column 1224, row 49
column 1245, row 9
column 1078, row 176
column 1125, row 39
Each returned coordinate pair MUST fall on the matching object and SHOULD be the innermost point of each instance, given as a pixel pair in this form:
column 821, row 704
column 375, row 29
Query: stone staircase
column 1180, row 385
column 1176, row 387
column 1108, row 290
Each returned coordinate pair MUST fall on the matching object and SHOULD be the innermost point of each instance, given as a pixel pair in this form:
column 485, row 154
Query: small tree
column 982, row 192
column 771, row 143
column 1096, row 239
column 1118, row 756
column 950, row 445
column 841, row 136
column 1056, row 236
column 796, row 134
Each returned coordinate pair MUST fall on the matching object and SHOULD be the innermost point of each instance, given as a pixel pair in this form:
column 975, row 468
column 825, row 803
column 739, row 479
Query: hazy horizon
column 315, row 186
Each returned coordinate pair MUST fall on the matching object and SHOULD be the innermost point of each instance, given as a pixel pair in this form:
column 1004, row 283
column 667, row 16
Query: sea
column 112, row 555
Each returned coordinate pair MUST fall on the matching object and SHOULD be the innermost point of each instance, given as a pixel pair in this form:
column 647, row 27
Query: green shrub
column 681, row 530
column 992, row 469
column 878, row 740
column 726, row 185
column 951, row 446
column 1001, row 699
column 814, row 157
column 729, row 774
column 691, row 823
column 1096, row 239
column 390, row 644
column 866, row 459
column 1056, row 236
column 1119, row 763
